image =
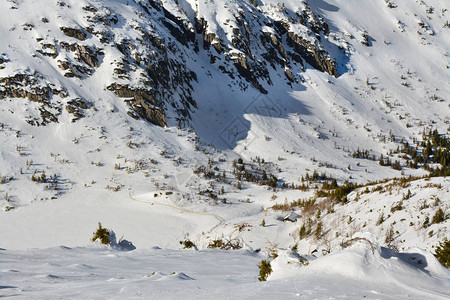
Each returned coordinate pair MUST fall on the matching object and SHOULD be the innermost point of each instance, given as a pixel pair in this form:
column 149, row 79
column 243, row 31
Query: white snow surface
column 97, row 272
column 45, row 239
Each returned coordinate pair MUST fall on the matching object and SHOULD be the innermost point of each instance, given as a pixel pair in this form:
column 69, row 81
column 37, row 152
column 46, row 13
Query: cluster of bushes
column 255, row 174
column 39, row 178
column 316, row 176
column 206, row 172
column 226, row 244
column 388, row 163
column 364, row 154
column 306, row 229
column 438, row 217
column 208, row 193
column 338, row 193
column 302, row 204
column 209, row 171
column 434, row 148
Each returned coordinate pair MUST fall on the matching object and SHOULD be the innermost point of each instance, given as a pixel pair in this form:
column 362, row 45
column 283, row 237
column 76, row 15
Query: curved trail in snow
column 182, row 209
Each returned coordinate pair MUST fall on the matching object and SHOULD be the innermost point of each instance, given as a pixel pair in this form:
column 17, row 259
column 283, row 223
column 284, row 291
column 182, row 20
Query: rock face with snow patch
column 144, row 52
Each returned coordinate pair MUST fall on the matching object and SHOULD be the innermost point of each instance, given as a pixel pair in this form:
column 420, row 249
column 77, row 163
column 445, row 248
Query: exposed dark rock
column 90, row 8
column 73, row 69
column 31, row 87
column 88, row 55
column 107, row 20
column 142, row 102
column 53, row 53
column 289, row 75
column 47, row 117
column 240, row 63
column 26, row 86
column 105, row 36
column 76, row 107
column 2, row 61
column 366, row 39
column 182, row 36
column 317, row 58
column 73, row 32
column 79, row 103
column 251, row 65
column 209, row 38
column 146, row 111
column 27, row 26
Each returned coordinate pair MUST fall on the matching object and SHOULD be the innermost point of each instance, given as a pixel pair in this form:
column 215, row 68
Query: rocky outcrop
column 47, row 116
column 74, row 70
column 279, row 46
column 86, row 54
column 314, row 56
column 27, row 86
column 250, row 45
column 289, row 75
column 209, row 38
column 48, row 50
column 76, row 107
column 142, row 102
column 74, row 33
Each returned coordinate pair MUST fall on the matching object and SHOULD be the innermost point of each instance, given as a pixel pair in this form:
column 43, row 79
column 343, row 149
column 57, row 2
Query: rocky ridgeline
column 150, row 68
column 258, row 48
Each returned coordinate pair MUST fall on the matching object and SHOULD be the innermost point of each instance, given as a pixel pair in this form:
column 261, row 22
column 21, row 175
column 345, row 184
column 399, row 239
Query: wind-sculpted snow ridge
column 363, row 259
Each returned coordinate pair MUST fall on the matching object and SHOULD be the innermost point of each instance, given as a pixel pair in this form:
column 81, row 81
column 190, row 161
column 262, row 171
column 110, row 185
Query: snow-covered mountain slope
column 170, row 121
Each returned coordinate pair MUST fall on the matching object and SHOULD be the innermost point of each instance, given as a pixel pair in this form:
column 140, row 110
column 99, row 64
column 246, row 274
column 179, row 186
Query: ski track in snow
column 182, row 209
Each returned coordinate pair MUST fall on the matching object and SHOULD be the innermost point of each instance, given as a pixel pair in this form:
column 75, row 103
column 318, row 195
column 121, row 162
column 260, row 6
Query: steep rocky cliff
column 142, row 51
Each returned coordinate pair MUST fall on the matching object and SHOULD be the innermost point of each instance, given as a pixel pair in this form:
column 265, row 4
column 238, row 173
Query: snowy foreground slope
column 99, row 273
column 284, row 128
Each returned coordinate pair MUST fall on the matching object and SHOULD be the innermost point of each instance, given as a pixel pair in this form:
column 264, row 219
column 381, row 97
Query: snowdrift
column 363, row 259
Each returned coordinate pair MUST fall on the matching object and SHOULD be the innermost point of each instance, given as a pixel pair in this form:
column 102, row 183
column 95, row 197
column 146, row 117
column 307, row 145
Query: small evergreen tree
column 101, row 234
column 187, row 244
column 239, row 185
column 380, row 219
column 264, row 175
column 264, row 270
column 443, row 253
column 439, row 216
column 390, row 237
column 319, row 230
column 302, row 232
